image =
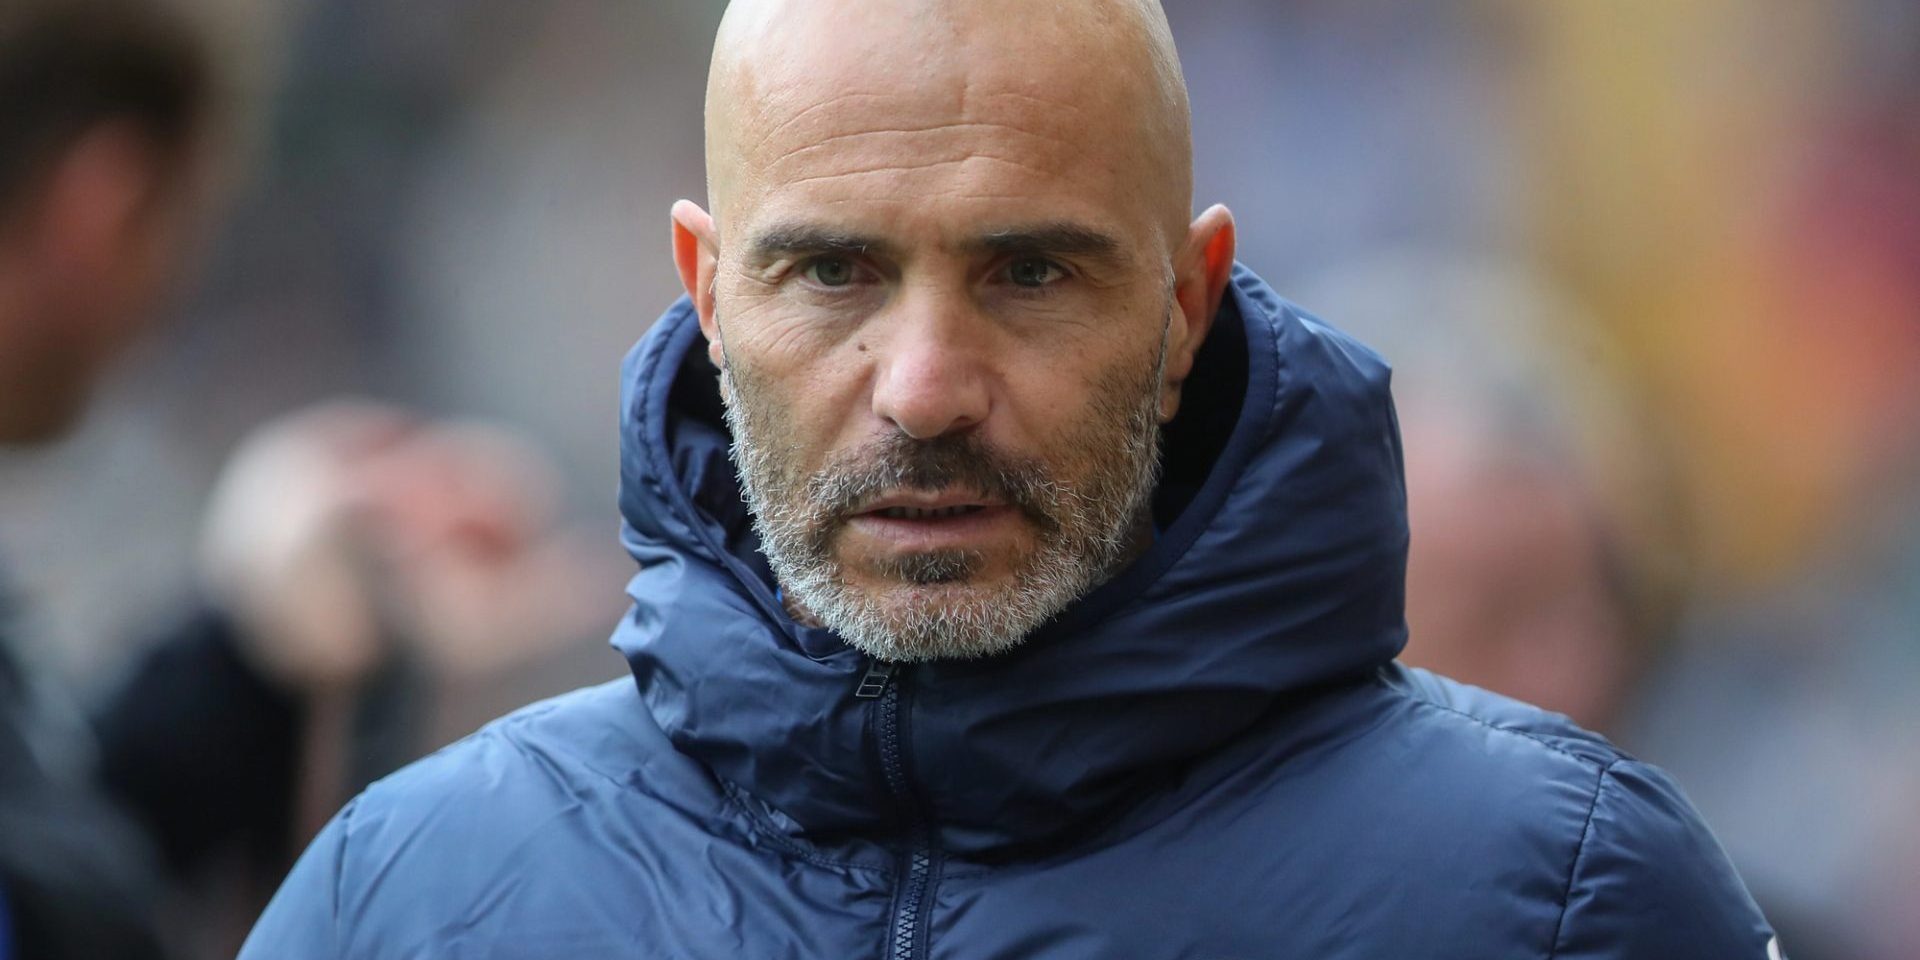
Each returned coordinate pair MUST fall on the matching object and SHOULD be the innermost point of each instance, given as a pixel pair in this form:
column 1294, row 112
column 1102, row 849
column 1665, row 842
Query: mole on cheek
column 862, row 347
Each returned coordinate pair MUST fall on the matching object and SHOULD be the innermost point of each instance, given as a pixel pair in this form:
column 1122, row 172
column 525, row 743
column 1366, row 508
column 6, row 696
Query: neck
column 798, row 611
column 24, row 365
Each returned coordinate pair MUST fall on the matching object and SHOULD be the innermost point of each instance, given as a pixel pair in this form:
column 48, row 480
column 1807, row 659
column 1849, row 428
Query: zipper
column 875, row 682
column 906, row 929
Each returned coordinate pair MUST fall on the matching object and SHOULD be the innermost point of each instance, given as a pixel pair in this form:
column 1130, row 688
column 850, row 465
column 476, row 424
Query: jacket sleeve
column 303, row 921
column 1649, row 881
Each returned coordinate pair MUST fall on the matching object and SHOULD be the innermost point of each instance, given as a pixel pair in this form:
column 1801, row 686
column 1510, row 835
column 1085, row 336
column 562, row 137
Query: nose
column 931, row 379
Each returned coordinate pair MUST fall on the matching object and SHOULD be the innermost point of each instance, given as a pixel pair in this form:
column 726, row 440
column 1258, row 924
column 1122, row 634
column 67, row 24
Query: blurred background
column 1648, row 271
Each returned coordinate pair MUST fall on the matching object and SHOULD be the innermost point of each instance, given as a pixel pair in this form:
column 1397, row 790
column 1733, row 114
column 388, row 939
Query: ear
column 696, row 254
column 91, row 213
column 1202, row 268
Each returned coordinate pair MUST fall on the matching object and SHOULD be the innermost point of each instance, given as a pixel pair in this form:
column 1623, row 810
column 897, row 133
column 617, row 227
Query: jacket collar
column 1280, row 566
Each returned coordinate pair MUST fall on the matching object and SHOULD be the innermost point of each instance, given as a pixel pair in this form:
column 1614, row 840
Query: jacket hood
column 1280, row 567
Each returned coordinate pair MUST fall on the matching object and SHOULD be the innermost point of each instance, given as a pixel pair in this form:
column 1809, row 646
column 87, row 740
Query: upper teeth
column 917, row 513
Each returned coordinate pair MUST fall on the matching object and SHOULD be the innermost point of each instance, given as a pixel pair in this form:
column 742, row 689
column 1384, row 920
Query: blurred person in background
column 103, row 110
column 1532, row 567
column 101, row 163
column 364, row 570
column 356, row 556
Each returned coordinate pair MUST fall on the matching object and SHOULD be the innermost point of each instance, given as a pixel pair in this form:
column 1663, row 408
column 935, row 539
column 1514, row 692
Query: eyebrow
column 805, row 239
column 1058, row 237
column 1061, row 238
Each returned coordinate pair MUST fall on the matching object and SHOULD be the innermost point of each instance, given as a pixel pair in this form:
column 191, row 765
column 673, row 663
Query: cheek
column 1064, row 394
column 809, row 400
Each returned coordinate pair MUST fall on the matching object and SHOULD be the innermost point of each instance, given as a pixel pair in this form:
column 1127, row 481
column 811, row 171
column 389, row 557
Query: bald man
column 1019, row 577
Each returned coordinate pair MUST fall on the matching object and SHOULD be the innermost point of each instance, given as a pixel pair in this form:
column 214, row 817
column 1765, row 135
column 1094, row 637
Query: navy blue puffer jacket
column 1212, row 757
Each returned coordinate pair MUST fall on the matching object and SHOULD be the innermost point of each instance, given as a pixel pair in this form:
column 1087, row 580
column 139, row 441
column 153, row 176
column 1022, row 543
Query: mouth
column 928, row 504
column 925, row 522
column 927, row 513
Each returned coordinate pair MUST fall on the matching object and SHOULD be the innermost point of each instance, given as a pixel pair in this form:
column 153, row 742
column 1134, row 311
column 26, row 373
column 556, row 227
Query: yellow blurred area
column 1684, row 155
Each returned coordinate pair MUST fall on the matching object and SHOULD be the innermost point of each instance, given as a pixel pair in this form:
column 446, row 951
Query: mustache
column 898, row 463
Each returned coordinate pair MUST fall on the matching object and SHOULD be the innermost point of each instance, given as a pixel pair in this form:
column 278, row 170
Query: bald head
column 1092, row 84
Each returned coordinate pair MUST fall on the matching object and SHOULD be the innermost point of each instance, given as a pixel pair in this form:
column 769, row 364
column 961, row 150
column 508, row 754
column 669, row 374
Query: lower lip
column 967, row 530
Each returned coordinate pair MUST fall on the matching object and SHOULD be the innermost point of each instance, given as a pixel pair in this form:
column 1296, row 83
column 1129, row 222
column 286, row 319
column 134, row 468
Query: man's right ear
column 696, row 251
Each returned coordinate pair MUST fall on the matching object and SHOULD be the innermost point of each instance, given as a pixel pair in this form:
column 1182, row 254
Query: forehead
column 917, row 134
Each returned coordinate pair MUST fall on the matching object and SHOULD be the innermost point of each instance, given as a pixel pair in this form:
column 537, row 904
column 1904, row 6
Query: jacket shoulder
column 556, row 790
column 1443, row 702
column 595, row 744
column 1650, row 880
column 600, row 731
column 1643, row 874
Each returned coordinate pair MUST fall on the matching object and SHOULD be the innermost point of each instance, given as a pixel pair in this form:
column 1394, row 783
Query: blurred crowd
column 1648, row 271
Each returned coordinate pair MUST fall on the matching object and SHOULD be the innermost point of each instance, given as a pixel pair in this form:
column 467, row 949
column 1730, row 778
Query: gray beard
column 935, row 610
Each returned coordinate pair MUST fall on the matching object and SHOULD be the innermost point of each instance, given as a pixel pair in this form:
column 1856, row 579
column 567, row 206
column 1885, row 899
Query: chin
column 955, row 620
column 46, row 421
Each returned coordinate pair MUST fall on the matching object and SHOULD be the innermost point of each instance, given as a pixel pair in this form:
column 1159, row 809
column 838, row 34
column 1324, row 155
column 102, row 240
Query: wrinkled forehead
column 937, row 124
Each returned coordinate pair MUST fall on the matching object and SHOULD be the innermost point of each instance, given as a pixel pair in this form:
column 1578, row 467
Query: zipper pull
column 875, row 682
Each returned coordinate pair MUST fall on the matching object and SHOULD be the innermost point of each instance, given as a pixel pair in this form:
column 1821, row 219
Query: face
column 93, row 258
column 951, row 321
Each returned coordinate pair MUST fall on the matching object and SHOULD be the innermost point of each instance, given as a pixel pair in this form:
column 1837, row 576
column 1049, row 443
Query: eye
column 1033, row 272
column 831, row 271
